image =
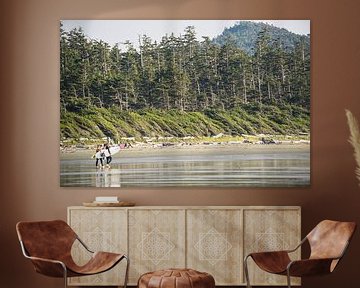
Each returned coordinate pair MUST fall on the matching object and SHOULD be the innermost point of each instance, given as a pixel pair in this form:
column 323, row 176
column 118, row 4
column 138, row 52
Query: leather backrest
column 46, row 239
column 329, row 238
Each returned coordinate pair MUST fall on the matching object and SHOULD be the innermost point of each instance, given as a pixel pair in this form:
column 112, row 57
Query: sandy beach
column 198, row 149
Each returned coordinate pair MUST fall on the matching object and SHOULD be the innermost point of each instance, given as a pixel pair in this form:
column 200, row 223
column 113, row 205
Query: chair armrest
column 48, row 267
column 309, row 267
column 84, row 245
column 45, row 260
column 280, row 253
column 298, row 246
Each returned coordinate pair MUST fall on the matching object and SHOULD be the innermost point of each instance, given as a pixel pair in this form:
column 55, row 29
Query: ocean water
column 215, row 168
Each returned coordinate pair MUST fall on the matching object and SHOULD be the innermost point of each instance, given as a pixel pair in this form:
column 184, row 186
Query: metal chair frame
column 288, row 276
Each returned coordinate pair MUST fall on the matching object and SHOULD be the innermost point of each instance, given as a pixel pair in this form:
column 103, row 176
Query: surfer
column 107, row 153
column 99, row 157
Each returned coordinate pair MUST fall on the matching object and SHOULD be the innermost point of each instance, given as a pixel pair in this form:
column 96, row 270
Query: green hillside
column 96, row 123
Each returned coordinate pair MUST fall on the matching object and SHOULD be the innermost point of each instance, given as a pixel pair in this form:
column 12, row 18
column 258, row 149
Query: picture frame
column 203, row 103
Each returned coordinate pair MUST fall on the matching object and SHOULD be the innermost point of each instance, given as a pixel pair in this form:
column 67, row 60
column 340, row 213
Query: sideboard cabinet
column 211, row 239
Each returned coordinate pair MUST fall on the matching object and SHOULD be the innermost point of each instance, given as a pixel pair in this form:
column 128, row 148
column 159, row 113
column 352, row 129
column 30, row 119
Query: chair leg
column 288, row 278
column 246, row 270
column 127, row 271
column 65, row 276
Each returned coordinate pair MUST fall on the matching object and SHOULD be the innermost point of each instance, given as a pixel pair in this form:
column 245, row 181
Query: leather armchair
column 48, row 245
column 328, row 242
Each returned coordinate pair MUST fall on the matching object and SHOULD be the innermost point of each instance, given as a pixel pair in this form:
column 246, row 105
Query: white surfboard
column 114, row 149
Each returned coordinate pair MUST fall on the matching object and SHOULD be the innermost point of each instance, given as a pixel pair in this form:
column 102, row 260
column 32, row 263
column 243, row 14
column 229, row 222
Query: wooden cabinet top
column 193, row 207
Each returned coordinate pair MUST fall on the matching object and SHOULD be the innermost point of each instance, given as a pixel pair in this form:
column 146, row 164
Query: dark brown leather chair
column 328, row 242
column 48, row 245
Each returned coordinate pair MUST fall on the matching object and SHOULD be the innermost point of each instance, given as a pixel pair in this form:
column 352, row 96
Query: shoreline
column 198, row 148
column 68, row 146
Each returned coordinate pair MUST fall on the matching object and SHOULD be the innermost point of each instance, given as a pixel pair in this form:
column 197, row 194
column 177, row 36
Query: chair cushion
column 176, row 278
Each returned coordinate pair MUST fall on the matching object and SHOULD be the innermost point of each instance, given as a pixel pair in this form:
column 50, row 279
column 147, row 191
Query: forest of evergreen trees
column 179, row 73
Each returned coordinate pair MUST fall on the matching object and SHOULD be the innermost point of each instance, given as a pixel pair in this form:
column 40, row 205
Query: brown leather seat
column 176, row 278
column 48, row 245
column 328, row 242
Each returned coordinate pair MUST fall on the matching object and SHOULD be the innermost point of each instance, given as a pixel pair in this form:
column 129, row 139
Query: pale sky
column 118, row 31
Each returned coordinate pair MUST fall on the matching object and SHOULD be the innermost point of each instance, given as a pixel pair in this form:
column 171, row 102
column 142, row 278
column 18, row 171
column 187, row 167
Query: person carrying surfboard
column 99, row 157
column 107, row 153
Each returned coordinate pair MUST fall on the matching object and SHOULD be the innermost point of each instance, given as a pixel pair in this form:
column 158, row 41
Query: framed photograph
column 213, row 103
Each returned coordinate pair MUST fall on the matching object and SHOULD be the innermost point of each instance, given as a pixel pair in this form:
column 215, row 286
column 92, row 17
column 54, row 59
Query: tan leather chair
column 328, row 242
column 48, row 245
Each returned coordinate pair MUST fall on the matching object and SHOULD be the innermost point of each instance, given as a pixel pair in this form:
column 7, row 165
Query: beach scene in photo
column 169, row 103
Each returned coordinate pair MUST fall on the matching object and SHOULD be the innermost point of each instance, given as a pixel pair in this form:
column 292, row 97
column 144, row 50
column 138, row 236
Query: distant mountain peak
column 245, row 33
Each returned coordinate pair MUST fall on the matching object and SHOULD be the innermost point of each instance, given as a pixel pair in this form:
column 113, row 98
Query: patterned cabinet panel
column 214, row 244
column 270, row 229
column 156, row 240
column 101, row 230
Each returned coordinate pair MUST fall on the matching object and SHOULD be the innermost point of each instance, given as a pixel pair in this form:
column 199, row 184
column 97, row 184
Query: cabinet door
column 101, row 230
column 214, row 244
column 270, row 230
column 156, row 240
